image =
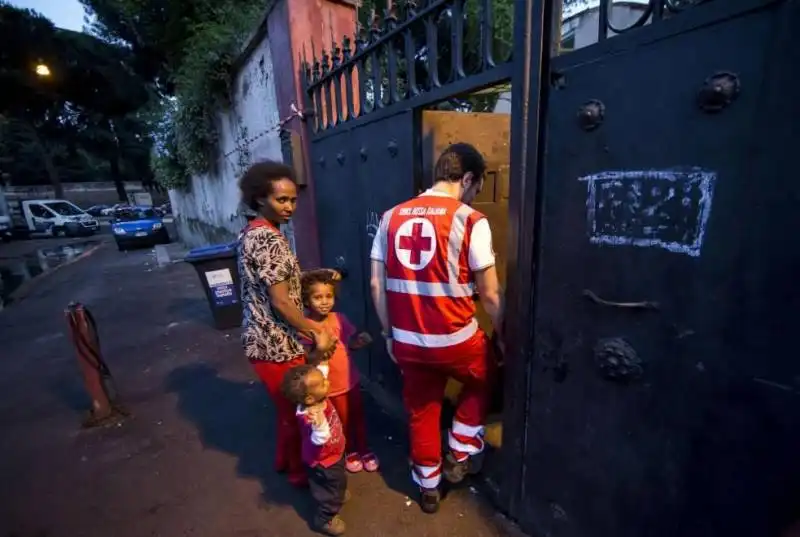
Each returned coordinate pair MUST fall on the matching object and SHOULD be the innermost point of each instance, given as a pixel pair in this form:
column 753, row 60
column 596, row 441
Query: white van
column 57, row 218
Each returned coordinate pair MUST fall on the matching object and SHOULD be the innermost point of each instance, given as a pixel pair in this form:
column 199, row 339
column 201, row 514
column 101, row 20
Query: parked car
column 6, row 231
column 138, row 226
column 97, row 210
column 165, row 209
column 114, row 209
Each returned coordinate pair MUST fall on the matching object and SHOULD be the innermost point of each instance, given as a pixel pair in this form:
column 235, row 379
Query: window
column 568, row 41
column 64, row 208
column 39, row 211
column 136, row 214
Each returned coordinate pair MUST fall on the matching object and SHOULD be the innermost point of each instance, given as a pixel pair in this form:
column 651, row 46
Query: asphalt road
column 195, row 460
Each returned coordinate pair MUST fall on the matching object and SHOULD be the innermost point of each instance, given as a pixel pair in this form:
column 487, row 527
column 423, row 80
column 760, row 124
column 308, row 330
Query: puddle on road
column 16, row 271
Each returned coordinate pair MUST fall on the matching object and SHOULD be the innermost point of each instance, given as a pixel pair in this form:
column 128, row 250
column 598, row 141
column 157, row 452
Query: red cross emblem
column 416, row 243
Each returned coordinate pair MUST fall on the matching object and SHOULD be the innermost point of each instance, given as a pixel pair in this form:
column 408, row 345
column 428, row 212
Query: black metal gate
column 359, row 173
column 663, row 389
column 367, row 94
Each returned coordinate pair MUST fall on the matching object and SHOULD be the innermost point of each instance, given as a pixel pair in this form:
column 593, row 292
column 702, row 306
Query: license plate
column 141, row 234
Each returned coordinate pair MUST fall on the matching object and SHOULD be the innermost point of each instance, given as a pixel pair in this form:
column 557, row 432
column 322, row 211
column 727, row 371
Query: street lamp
column 42, row 70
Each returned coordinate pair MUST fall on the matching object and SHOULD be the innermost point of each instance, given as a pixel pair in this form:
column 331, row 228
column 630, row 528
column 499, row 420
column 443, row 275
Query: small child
column 319, row 297
column 322, row 445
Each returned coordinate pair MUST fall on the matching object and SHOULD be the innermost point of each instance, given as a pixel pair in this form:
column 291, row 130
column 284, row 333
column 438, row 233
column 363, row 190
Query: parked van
column 57, row 218
column 6, row 231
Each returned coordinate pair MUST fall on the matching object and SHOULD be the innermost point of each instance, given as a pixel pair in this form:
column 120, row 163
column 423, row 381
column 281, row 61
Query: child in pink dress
column 319, row 297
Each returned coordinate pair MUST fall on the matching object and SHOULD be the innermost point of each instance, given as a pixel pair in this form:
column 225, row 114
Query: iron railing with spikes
column 653, row 11
column 438, row 49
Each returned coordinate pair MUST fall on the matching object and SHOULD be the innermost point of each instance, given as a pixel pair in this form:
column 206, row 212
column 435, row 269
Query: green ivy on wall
column 203, row 82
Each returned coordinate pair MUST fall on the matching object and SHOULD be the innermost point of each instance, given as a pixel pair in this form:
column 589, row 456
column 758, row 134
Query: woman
column 272, row 302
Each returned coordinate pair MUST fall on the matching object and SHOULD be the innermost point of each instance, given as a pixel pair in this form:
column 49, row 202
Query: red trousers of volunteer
column 424, row 383
column 287, row 448
column 350, row 408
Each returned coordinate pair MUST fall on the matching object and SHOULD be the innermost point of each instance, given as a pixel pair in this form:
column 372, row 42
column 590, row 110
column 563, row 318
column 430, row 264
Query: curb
column 163, row 257
column 22, row 291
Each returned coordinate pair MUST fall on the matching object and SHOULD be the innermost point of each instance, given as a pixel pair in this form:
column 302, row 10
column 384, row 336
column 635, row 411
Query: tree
column 45, row 115
column 189, row 49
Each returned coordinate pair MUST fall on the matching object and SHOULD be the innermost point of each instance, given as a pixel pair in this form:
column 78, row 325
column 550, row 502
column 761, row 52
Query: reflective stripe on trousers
column 427, row 477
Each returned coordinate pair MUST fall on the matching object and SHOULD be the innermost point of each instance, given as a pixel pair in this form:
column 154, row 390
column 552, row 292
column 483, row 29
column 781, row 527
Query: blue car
column 138, row 226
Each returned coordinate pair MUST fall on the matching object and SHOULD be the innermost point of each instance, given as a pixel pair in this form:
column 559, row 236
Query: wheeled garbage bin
column 219, row 275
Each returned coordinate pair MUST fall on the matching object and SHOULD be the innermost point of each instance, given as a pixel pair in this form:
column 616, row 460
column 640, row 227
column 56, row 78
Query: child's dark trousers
column 328, row 487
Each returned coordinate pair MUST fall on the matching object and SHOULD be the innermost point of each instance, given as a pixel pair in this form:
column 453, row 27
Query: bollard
column 96, row 376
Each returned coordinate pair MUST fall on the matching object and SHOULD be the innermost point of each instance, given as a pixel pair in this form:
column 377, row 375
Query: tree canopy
column 65, row 91
column 188, row 49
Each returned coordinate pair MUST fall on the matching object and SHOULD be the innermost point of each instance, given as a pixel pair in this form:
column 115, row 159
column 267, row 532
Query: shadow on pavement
column 236, row 418
column 71, row 393
column 194, row 309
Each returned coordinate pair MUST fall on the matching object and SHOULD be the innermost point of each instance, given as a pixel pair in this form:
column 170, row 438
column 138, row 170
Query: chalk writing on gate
column 373, row 221
column 666, row 209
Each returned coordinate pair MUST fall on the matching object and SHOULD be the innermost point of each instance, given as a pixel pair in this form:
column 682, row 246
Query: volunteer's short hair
column 457, row 160
column 256, row 183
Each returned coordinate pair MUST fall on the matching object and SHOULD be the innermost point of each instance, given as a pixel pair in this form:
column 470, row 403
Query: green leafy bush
column 203, row 84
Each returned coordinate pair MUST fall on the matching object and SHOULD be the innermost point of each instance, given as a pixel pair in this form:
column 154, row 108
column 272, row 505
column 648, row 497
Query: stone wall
column 82, row 194
column 208, row 212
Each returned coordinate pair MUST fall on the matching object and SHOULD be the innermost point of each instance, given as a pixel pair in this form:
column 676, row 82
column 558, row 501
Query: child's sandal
column 353, row 463
column 370, row 462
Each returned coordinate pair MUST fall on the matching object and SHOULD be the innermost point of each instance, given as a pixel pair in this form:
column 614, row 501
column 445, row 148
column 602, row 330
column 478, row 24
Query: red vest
column 429, row 286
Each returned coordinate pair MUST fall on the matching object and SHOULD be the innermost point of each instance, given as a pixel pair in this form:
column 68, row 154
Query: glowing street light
column 42, row 70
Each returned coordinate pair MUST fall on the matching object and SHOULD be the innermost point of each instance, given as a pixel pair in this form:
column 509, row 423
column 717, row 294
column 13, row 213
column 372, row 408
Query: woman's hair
column 310, row 279
column 256, row 183
column 294, row 383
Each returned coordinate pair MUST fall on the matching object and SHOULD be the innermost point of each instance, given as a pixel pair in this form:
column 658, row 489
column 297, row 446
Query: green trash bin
column 216, row 266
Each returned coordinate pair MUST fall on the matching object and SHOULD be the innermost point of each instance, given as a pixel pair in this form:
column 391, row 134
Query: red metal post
column 96, row 376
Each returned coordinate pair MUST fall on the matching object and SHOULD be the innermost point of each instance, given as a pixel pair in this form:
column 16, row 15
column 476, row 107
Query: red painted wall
column 293, row 25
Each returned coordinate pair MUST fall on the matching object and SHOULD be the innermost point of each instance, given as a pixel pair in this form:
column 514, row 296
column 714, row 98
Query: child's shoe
column 370, row 462
column 333, row 527
column 353, row 463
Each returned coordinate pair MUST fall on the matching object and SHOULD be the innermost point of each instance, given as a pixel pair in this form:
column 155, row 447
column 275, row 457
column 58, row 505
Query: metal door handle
column 643, row 305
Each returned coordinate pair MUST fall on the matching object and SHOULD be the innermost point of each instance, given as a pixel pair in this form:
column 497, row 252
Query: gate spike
column 335, row 50
column 336, row 54
column 411, row 9
column 315, row 69
column 346, row 51
column 361, row 42
column 390, row 16
column 375, row 31
column 306, row 65
column 326, row 66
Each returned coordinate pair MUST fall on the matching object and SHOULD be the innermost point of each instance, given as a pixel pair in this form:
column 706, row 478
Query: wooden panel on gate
column 490, row 135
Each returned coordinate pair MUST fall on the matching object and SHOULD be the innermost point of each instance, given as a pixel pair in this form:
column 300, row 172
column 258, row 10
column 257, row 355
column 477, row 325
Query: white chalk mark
column 663, row 220
column 373, row 221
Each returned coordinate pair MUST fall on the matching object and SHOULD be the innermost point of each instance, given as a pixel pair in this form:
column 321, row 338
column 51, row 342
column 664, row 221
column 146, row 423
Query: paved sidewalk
column 196, row 458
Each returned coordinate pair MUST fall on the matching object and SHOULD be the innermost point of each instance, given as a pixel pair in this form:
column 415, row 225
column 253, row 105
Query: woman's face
column 279, row 206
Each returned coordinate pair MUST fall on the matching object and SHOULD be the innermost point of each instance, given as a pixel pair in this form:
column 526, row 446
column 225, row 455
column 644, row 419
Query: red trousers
column 350, row 407
column 423, row 392
column 287, row 449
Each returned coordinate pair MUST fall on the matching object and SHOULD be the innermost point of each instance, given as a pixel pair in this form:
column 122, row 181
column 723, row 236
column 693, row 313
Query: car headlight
column 119, row 231
column 156, row 226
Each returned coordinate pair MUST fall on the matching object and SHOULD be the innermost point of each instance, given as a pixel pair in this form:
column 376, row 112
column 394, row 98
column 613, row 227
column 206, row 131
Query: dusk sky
column 64, row 13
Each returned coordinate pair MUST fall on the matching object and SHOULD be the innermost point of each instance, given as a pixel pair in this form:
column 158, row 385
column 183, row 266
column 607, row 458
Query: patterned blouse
column 265, row 259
